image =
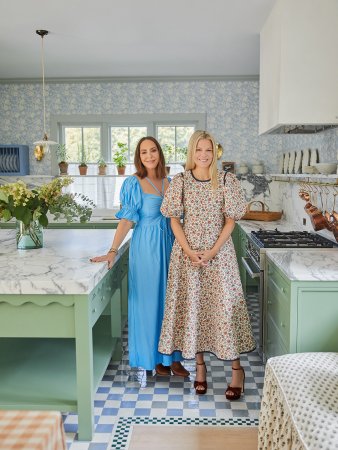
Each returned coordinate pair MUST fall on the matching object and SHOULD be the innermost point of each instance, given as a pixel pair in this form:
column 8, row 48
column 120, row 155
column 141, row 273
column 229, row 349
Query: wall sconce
column 42, row 146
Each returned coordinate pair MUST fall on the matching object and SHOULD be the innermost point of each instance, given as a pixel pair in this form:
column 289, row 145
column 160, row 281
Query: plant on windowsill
column 120, row 158
column 83, row 161
column 62, row 156
column 102, row 166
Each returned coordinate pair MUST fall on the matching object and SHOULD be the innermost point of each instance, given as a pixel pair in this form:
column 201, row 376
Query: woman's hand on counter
column 110, row 258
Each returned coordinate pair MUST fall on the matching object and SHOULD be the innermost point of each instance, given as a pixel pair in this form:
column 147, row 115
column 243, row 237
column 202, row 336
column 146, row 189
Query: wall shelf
column 320, row 179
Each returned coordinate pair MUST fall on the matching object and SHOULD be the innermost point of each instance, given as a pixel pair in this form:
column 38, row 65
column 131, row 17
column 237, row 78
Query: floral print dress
column 205, row 308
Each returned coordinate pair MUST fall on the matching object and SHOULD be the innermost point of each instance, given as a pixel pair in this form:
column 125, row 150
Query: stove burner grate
column 290, row 239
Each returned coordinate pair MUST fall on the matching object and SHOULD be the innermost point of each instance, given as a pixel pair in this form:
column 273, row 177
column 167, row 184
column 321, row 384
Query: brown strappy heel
column 202, row 385
column 234, row 393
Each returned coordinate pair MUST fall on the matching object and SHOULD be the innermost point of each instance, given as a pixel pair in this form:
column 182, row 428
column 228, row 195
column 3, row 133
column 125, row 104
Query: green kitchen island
column 61, row 320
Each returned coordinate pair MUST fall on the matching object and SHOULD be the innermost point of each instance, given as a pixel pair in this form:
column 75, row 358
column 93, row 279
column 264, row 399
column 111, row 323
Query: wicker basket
column 264, row 215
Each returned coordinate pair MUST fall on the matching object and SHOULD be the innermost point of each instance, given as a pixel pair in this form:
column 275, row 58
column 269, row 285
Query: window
column 127, row 135
column 174, row 140
column 83, row 143
column 98, row 134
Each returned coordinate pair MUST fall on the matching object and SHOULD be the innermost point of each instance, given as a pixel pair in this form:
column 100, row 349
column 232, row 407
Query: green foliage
column 101, row 162
column 181, row 154
column 82, row 152
column 26, row 205
column 62, row 153
column 169, row 153
column 120, row 155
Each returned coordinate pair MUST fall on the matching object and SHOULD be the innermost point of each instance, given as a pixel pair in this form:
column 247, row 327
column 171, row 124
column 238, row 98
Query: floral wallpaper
column 231, row 109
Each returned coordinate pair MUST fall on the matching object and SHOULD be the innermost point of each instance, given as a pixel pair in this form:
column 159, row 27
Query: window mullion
column 105, row 142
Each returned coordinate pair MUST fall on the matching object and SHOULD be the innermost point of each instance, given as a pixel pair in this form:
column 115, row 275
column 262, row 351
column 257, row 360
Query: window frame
column 105, row 121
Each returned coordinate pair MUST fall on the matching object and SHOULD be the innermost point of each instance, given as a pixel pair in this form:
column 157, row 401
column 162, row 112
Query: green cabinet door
column 299, row 316
column 317, row 309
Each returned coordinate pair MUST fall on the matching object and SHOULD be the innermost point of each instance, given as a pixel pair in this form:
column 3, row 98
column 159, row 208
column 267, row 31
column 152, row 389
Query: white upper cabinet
column 299, row 67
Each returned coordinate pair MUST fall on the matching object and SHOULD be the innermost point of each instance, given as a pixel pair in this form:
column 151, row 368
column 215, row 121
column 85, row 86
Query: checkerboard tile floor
column 126, row 392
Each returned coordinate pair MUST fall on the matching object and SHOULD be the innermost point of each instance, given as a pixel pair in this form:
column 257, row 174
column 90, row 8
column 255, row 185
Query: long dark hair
column 141, row 171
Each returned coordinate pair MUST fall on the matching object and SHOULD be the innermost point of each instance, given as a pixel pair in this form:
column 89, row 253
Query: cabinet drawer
column 278, row 308
column 281, row 284
column 274, row 345
column 97, row 305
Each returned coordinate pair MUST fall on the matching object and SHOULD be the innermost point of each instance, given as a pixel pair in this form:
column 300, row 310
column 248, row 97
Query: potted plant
column 30, row 207
column 62, row 156
column 120, row 158
column 102, row 166
column 83, row 161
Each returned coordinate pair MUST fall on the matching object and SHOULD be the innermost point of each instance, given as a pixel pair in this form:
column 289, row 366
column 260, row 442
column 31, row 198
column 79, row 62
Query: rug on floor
column 139, row 433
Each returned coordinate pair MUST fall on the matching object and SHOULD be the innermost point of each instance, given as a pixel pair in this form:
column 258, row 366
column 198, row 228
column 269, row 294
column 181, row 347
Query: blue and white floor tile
column 131, row 393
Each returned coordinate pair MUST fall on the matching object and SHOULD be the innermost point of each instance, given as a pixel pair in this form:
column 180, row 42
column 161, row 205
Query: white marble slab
column 62, row 266
column 306, row 264
column 256, row 225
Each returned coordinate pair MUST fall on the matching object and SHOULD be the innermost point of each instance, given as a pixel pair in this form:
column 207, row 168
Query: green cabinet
column 54, row 349
column 299, row 316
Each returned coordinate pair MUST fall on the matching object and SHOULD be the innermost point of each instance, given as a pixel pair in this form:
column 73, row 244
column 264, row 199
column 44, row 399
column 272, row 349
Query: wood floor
column 188, row 437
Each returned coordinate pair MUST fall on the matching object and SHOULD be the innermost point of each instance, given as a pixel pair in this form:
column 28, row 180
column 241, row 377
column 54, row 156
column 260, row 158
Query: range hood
column 299, row 68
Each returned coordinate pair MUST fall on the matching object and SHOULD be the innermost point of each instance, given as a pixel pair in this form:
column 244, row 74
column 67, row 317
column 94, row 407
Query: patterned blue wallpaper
column 231, row 108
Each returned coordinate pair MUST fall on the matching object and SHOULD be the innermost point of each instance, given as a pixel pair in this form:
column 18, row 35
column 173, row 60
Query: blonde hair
column 193, row 142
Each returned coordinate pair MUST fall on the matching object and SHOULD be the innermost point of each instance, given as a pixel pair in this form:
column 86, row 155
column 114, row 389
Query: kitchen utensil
column 335, row 231
column 292, row 159
column 304, row 195
column 258, row 168
column 305, row 159
column 326, row 168
column 281, row 164
column 314, row 157
column 298, row 162
column 286, row 162
column 309, row 169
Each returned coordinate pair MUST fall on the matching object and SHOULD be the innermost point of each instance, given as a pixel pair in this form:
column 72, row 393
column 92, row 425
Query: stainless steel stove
column 283, row 239
column 259, row 241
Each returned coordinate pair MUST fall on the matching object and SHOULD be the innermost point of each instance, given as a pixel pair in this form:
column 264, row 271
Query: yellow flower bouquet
column 30, row 206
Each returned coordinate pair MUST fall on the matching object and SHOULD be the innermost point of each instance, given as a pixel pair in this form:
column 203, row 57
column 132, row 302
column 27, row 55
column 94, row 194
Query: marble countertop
column 256, row 225
column 306, row 264
column 62, row 266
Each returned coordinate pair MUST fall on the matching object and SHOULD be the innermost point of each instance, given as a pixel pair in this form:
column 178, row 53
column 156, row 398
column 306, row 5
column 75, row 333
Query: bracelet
column 113, row 250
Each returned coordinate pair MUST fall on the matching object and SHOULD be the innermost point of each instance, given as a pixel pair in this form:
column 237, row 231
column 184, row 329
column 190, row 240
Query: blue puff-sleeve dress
column 149, row 256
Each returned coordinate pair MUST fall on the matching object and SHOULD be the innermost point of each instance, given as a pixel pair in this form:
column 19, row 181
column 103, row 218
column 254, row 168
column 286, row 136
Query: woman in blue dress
column 141, row 198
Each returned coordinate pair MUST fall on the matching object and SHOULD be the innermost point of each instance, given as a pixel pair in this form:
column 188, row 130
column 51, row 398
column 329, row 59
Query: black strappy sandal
column 234, row 393
column 201, row 385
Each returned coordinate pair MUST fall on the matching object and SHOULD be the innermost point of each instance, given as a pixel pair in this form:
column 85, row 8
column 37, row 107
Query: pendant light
column 42, row 146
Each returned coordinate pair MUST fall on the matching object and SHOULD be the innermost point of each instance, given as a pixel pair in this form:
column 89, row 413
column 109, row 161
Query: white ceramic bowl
column 310, row 169
column 326, row 168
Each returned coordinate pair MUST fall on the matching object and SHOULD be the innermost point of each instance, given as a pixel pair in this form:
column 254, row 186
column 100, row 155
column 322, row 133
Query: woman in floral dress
column 205, row 308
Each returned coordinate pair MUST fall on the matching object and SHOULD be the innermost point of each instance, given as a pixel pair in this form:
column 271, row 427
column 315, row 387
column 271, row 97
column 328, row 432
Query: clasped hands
column 200, row 258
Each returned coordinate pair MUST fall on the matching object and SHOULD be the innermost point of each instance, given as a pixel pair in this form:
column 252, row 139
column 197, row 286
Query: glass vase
column 29, row 236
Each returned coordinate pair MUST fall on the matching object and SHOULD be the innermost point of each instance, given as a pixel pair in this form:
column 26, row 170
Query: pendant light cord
column 43, row 87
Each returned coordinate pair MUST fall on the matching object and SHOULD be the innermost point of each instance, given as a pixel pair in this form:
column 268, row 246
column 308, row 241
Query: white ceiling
column 133, row 38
